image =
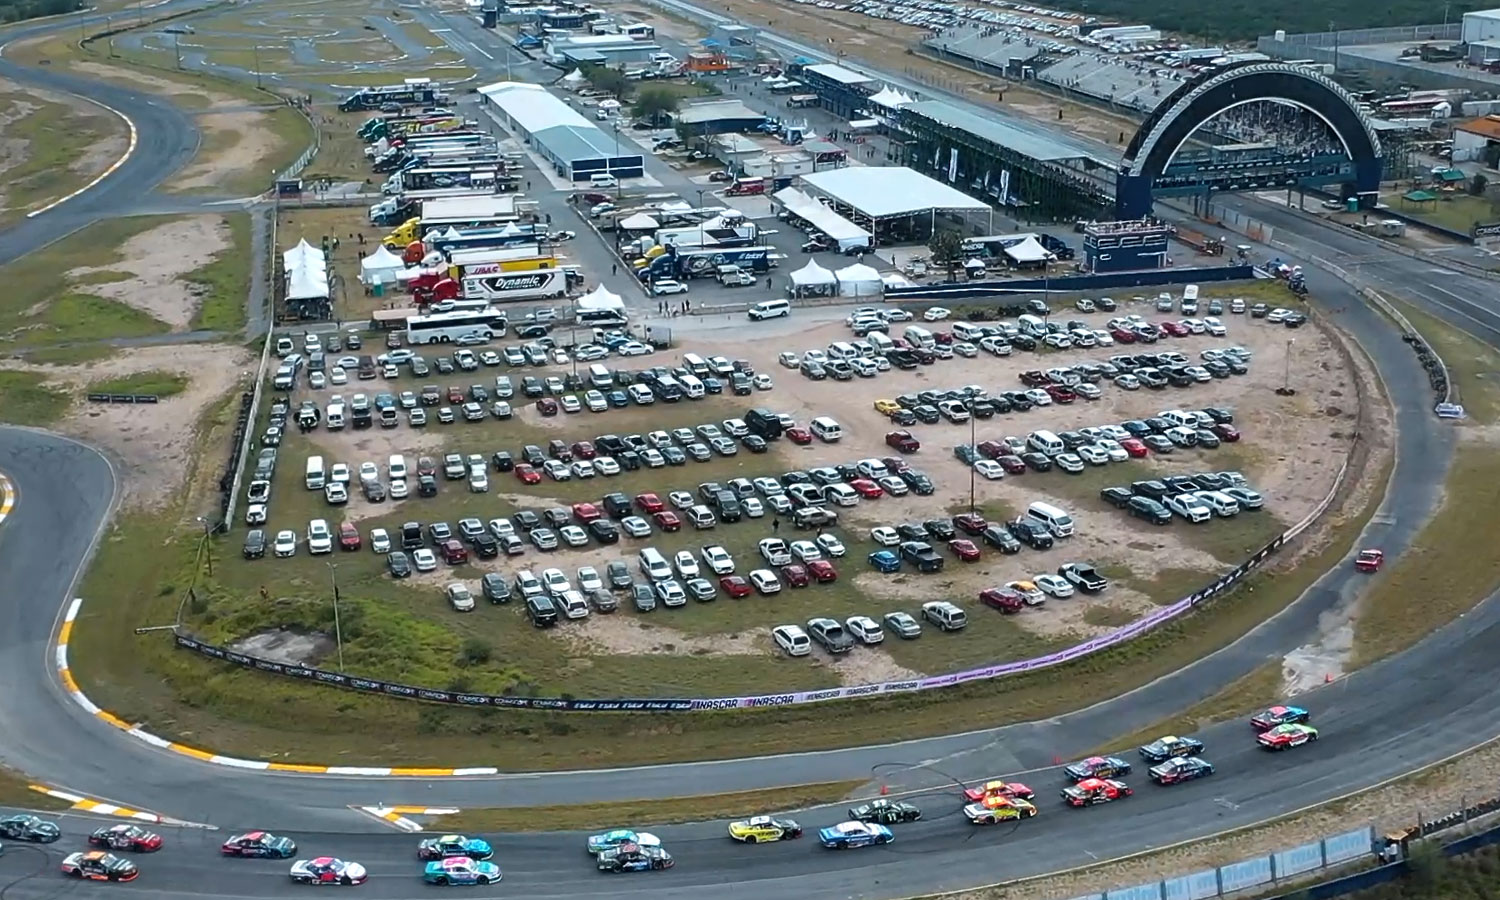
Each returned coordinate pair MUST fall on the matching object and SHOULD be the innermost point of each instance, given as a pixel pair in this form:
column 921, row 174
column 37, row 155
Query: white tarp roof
column 886, row 191
column 888, row 98
column 824, row 219
column 511, row 229
column 380, row 265
column 859, row 280
column 600, row 298
column 812, row 275
column 895, row 280
column 575, row 77
column 639, row 222
column 302, row 256
column 864, row 123
column 1029, row 250
column 531, row 107
column 306, row 283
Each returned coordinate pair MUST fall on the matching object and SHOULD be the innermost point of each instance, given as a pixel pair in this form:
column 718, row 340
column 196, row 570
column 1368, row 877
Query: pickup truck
column 903, row 441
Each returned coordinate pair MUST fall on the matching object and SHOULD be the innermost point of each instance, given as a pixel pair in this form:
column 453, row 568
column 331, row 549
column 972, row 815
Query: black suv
column 1033, row 534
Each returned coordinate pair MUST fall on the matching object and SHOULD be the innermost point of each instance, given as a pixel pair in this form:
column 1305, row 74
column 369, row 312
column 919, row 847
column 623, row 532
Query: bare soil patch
column 156, row 261
column 237, row 142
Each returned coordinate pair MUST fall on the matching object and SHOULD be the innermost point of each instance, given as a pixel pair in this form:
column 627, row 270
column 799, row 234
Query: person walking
column 775, row 525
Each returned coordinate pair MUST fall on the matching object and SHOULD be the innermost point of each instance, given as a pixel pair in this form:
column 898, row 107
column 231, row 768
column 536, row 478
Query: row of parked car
column 1195, row 498
column 838, row 638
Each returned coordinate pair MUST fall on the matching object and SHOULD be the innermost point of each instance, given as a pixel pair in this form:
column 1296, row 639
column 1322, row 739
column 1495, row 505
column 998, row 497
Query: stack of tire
column 1436, row 376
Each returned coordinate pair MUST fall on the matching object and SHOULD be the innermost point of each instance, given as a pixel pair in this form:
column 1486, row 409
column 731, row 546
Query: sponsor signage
column 1487, row 232
column 656, row 704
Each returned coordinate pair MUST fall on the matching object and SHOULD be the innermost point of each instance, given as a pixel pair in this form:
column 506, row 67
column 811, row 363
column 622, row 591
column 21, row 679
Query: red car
column 667, row 520
column 584, row 450
column 1060, row 393
column 735, row 586
column 795, row 575
column 990, row 449
column 348, row 536
column 903, row 441
column 823, row 571
column 943, row 337
column 1012, row 464
column 1003, row 599
column 998, row 788
column 1369, row 560
column 1095, row 790
column 1175, row 329
column 964, row 549
column 1134, row 447
column 586, row 512
column 1122, row 335
column 1034, row 378
column 866, row 488
column 1227, row 433
column 649, row 503
column 547, row 406
column 799, row 435
column 527, row 475
column 126, row 837
column 970, row 523
column 455, row 553
column 455, row 394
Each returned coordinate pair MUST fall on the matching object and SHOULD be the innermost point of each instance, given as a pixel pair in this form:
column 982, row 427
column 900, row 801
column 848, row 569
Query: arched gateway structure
column 1148, row 167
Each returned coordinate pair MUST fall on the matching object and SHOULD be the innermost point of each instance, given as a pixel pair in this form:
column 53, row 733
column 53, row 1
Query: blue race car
column 1280, row 715
column 1181, row 769
column 885, row 561
column 451, row 845
column 460, row 870
column 634, row 858
column 1165, row 748
column 609, row 840
column 1098, row 767
column 848, row 835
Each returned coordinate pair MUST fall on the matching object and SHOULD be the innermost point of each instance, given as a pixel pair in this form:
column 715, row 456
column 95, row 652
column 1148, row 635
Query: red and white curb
column 397, row 815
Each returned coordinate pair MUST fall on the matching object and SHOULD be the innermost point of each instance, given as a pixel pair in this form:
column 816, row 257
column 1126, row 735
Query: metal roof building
column 575, row 146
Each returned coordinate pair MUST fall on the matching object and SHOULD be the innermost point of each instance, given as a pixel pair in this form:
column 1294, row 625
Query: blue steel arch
column 1173, row 121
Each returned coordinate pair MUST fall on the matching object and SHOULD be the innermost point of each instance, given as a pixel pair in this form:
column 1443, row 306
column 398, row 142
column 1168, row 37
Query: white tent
column 859, row 280
column 380, row 267
column 306, row 284
column 889, row 99
column 813, row 275
column 1028, row 251
column 511, row 229
column 600, row 298
column 302, row 256
column 574, row 78
column 895, row 280
column 639, row 222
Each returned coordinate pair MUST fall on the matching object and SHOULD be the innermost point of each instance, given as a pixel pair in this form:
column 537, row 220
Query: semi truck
column 703, row 262
column 489, row 176
column 397, row 127
column 413, row 92
column 508, row 287
column 458, row 212
column 399, row 159
column 416, row 143
column 481, row 238
column 400, row 208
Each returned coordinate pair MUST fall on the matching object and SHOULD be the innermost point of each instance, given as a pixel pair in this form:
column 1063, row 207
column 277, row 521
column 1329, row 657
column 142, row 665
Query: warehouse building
column 576, row 147
column 611, row 50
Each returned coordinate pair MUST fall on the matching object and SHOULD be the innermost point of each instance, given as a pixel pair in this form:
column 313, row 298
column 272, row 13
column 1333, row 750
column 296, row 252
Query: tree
column 947, row 248
column 606, row 79
column 1477, row 184
column 653, row 105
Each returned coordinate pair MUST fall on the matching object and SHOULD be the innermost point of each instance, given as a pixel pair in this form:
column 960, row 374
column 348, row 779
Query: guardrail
column 257, row 390
column 123, row 398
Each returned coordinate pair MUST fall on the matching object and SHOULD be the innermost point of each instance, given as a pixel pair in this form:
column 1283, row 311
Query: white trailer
column 508, row 287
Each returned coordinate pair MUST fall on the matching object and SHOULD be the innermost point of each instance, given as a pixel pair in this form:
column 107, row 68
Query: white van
column 880, row 341
column 316, row 476
column 918, row 336
column 653, row 565
column 1056, row 521
column 826, row 429
column 842, row 350
column 769, row 309
column 966, row 331
column 1046, row 442
column 1032, row 326
column 603, row 181
column 1180, row 418
column 692, row 386
column 335, row 419
column 695, row 364
column 396, row 465
column 600, row 376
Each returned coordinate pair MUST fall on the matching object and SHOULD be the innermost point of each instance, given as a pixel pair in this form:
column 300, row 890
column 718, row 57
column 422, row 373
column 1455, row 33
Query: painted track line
column 113, row 167
column 7, row 497
column 397, row 815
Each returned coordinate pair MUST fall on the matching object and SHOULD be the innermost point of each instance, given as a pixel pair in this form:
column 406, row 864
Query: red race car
column 586, row 512
column 1134, row 447
column 1095, row 790
column 799, row 435
column 667, row 520
column 866, row 488
column 348, row 536
column 527, row 475
column 735, row 586
column 126, row 837
column 964, row 549
column 795, row 575
column 822, row 571
column 649, row 503
column 997, row 788
column 1003, row 599
column 1369, row 560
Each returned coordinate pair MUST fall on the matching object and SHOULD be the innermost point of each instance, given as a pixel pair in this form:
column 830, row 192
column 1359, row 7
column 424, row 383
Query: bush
column 475, row 652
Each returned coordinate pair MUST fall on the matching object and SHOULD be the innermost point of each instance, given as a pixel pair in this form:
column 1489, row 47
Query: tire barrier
column 1437, row 373
column 123, row 398
column 230, row 479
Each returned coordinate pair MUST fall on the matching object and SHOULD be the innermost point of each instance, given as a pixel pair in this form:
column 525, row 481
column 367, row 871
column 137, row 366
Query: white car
column 569, row 403
column 765, row 581
column 718, row 560
column 681, row 500
column 574, row 606
column 634, row 348
column 1277, row 315
column 1038, row 397
column 606, row 465
column 255, row 514
column 996, row 345
column 479, row 482
column 762, row 382
column 668, row 286
column 459, row 597
column 865, row 629
column 317, row 381
column 936, row 314
column 1189, row 507
column 1058, row 341
column 1054, row 586
column 368, row 472
column 806, row 551
column 893, row 485
column 555, row 582
column 285, row 544
column 595, row 401
column 895, row 315
column 583, row 468
column 1103, row 338
column 399, row 489
column 557, row 470
column 885, row 536
column 774, row 551
column 752, row 507
column 424, row 560
column 1214, row 327
column 1068, row 462
column 380, row 540
column 670, row 593
column 337, row 376
column 319, row 537
column 573, row 536
column 1112, row 449
column 989, row 469
column 831, row 545
column 685, row 564
column 1127, row 382
column 339, row 472
column 792, row 640
column 1093, row 454
column 965, row 349
column 335, row 493
column 1084, row 305
column 789, row 360
column 1087, row 391
column 1029, row 592
column 589, row 579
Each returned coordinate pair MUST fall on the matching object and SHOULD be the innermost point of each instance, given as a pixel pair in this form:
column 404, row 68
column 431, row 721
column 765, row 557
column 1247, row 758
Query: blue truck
column 702, row 262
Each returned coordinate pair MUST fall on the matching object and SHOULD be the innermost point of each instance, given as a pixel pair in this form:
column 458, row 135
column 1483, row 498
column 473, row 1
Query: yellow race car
column 995, row 809
column 763, row 829
column 886, row 407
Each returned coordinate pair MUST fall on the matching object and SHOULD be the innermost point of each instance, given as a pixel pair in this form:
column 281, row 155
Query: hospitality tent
column 847, row 234
column 639, row 222
column 380, row 267
column 306, row 284
column 574, row 79
column 600, row 298
column 812, row 280
column 875, row 193
column 859, row 280
column 1029, row 252
column 304, row 255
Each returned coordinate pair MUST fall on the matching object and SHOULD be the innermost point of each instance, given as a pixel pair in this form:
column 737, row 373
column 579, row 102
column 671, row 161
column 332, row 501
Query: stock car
column 1285, row 737
column 125, row 837
column 994, row 810
column 1181, row 768
column 29, row 828
column 997, row 788
column 1168, row 746
column 460, row 870
column 1098, row 767
column 96, row 865
column 328, row 870
column 450, row 845
column 848, row 835
column 608, row 840
column 634, row 858
column 1091, row 791
column 885, row 812
column 262, row 844
column 762, row 829
column 1279, row 715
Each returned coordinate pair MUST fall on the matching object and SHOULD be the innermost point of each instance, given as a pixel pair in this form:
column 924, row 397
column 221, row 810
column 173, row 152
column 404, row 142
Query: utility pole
column 255, row 48
column 972, row 437
column 338, row 631
column 177, row 49
column 1286, row 376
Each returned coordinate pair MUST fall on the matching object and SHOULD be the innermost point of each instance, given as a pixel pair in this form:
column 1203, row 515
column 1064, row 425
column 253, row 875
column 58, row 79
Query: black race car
column 126, row 837
column 29, row 828
column 1098, row 767
column 1170, row 746
column 885, row 812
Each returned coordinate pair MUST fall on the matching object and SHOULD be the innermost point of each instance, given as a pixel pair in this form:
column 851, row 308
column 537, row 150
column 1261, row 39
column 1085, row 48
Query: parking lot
column 1289, row 453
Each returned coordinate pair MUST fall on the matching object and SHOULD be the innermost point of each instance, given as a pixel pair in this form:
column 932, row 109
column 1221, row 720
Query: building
column 1477, row 140
column 734, row 41
column 1125, row 246
column 612, row 50
column 893, row 203
column 717, row 117
column 1481, row 25
column 733, row 149
column 576, row 147
column 842, row 91
column 708, row 62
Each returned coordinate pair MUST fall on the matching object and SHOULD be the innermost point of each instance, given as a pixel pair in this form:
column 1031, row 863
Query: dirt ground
column 12, row 149
column 156, row 260
column 108, row 143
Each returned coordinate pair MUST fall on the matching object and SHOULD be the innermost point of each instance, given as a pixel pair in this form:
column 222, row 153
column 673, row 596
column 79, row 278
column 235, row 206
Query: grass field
column 162, row 384
column 419, row 33
column 15, row 792
column 57, row 137
column 640, row 813
column 1458, row 211
column 1473, row 367
column 25, row 400
column 224, row 281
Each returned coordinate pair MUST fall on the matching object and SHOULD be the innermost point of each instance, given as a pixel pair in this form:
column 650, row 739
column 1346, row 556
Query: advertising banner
column 1245, row 874
column 1150, row 891
column 1299, row 859
column 1349, row 845
column 1197, row 886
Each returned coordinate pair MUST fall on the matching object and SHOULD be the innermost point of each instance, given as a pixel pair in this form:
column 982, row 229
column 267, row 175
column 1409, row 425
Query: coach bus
column 447, row 327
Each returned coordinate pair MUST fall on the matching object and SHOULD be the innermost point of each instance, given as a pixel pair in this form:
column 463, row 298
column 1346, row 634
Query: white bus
column 443, row 328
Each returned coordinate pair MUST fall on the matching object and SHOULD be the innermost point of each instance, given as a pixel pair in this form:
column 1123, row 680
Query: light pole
column 618, row 186
column 205, row 544
column 972, row 437
column 1286, row 376
column 255, row 48
column 338, row 632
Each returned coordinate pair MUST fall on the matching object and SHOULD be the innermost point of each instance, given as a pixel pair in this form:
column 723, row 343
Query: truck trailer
column 448, row 243
column 703, row 262
column 402, row 207
column 397, row 127
column 508, row 287
column 414, row 92
column 434, row 178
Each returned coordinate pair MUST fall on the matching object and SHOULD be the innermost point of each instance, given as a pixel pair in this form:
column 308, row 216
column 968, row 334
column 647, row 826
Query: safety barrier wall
column 975, row 289
column 123, row 398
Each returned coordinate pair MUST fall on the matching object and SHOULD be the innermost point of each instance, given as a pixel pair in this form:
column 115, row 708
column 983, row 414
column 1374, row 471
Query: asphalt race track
column 1422, row 706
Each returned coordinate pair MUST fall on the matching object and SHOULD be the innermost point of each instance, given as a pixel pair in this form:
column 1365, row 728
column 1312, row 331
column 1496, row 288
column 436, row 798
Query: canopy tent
column 895, row 280
column 1028, row 252
column 600, row 298
column 975, row 263
column 574, row 78
column 812, row 280
column 639, row 222
column 306, row 284
column 889, row 192
column 418, row 271
column 859, row 280
column 304, row 255
column 889, row 99
column 511, row 229
column 380, row 267
column 609, row 104
column 847, row 234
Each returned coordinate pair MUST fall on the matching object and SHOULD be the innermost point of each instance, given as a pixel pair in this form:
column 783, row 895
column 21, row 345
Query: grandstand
column 1125, row 82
